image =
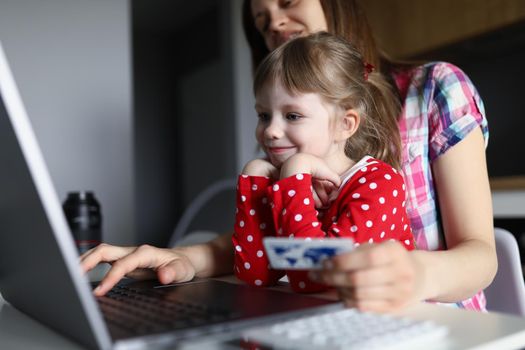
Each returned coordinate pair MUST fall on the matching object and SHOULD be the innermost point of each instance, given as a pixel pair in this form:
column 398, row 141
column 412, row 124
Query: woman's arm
column 469, row 263
column 168, row 264
column 384, row 277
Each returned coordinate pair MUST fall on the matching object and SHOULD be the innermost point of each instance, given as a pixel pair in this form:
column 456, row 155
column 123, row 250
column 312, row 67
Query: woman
column 443, row 130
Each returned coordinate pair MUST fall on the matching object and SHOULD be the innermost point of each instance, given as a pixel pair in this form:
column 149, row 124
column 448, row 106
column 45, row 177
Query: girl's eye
column 293, row 116
column 263, row 117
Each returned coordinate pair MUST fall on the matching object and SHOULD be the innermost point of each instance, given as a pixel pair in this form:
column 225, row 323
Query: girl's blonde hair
column 332, row 67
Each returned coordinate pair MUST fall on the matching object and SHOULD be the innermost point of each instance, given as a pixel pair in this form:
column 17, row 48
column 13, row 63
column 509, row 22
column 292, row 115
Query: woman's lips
column 285, row 36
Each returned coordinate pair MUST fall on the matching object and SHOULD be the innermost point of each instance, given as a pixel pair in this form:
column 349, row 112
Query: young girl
column 323, row 116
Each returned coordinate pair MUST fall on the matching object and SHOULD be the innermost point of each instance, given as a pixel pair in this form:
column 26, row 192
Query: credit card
column 303, row 253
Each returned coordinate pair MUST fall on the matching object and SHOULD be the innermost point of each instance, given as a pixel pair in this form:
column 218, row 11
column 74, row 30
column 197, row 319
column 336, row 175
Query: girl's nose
column 273, row 131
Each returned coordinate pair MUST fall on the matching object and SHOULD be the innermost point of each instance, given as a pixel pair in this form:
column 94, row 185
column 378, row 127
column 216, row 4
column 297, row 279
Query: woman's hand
column 169, row 265
column 260, row 167
column 374, row 277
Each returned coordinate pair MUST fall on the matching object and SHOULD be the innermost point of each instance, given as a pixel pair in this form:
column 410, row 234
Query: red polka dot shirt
column 369, row 208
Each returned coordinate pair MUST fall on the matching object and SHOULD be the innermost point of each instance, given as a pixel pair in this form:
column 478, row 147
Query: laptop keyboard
column 346, row 329
column 146, row 311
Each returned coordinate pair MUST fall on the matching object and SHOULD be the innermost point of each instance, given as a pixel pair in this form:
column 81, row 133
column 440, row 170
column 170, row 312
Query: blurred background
column 148, row 102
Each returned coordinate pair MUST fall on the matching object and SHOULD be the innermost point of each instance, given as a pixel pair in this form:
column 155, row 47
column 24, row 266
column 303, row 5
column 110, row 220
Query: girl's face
column 302, row 123
column 281, row 20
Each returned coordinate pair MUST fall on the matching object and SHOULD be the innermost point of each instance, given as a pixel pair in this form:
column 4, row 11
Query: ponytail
column 378, row 134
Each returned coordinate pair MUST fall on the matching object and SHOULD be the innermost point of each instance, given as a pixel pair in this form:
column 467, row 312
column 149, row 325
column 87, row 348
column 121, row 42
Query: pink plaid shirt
column 441, row 107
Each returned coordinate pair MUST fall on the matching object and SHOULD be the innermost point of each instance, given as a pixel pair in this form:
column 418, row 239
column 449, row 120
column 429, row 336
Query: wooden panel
column 405, row 28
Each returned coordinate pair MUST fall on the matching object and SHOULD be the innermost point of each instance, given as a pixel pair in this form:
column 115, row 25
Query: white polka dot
column 245, row 176
column 315, row 223
column 252, row 212
column 365, row 206
column 392, row 227
column 336, row 230
column 382, row 234
column 243, row 198
column 388, row 177
column 260, row 253
column 298, row 217
column 308, row 239
column 284, row 211
column 247, row 265
column 356, row 244
column 348, row 214
column 254, row 187
column 356, row 195
column 394, row 193
column 353, row 228
column 362, row 180
column 405, row 227
column 262, row 226
column 299, row 176
column 258, row 282
column 275, row 187
column 265, row 200
column 372, row 185
column 302, row 285
column 383, row 218
column 403, row 187
column 394, row 170
column 369, row 223
column 403, row 204
column 291, row 193
column 238, row 248
column 280, row 231
column 306, row 201
column 374, row 168
column 371, row 240
column 364, row 169
column 382, row 200
column 407, row 241
column 249, row 238
column 241, row 223
column 394, row 210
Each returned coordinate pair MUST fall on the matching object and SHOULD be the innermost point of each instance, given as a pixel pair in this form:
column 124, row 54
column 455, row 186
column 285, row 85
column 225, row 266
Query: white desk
column 468, row 330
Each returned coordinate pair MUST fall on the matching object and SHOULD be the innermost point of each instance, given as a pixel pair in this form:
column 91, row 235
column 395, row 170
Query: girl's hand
column 169, row 265
column 260, row 167
column 302, row 163
column 374, row 277
column 322, row 193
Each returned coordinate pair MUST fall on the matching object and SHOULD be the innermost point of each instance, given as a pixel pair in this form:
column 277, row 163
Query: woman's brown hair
column 345, row 18
column 332, row 67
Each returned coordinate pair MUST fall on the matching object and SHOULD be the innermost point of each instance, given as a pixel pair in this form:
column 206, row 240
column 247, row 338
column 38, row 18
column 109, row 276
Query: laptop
column 40, row 273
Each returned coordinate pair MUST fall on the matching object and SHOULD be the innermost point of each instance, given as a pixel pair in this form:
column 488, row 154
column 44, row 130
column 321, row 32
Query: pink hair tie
column 369, row 68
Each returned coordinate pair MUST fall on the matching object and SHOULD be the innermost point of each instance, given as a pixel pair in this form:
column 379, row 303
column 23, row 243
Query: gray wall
column 71, row 60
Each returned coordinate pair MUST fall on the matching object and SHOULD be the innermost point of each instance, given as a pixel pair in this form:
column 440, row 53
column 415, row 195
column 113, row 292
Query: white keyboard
column 348, row 329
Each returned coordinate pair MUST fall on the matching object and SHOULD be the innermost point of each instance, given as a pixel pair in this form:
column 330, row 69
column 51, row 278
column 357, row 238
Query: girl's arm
column 384, row 277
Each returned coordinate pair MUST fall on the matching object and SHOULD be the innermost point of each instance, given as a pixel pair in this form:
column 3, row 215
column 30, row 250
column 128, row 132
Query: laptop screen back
column 39, row 270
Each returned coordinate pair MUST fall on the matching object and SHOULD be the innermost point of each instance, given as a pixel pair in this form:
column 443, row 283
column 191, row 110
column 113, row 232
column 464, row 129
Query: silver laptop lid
column 39, row 270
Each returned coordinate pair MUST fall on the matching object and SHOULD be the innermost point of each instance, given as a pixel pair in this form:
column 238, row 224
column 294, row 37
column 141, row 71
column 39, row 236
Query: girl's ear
column 349, row 124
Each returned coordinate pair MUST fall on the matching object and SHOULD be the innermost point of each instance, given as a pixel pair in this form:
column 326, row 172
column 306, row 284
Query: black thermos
column 84, row 218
